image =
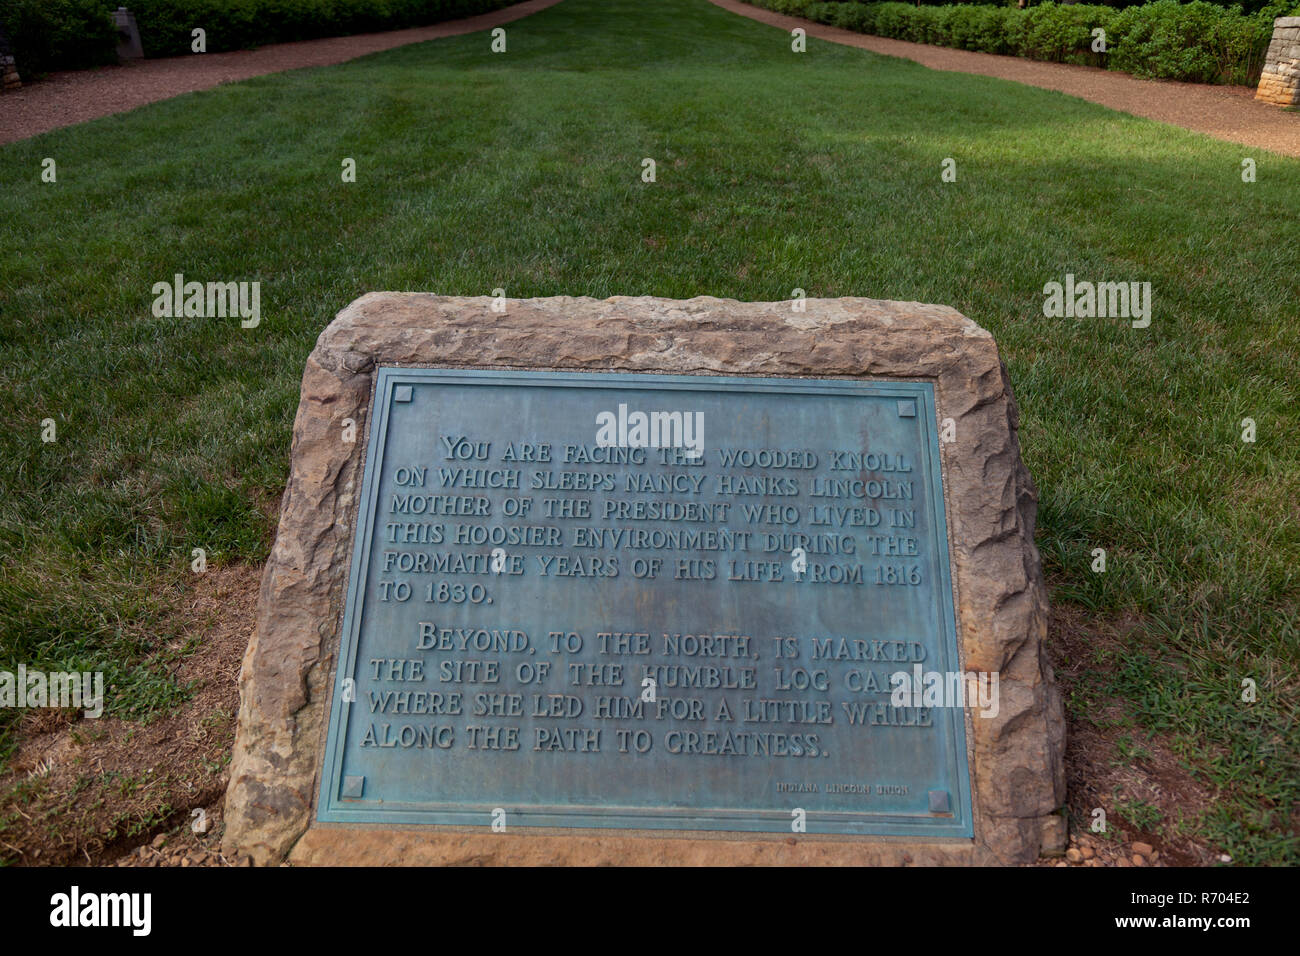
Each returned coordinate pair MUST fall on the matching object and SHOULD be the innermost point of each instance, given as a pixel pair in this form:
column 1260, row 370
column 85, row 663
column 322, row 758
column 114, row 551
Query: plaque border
column 1015, row 757
column 332, row 809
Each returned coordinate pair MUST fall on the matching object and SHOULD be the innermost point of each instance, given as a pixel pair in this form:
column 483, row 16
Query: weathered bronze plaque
column 648, row 601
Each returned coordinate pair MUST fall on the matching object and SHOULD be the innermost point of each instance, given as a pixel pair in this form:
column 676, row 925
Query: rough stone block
column 1015, row 759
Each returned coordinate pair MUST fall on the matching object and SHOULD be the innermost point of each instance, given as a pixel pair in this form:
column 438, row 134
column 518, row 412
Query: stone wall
column 1280, row 82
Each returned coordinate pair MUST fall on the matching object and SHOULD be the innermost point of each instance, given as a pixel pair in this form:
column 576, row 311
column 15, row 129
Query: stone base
column 1016, row 758
column 9, row 79
column 1278, row 91
column 1279, row 84
column 325, row 845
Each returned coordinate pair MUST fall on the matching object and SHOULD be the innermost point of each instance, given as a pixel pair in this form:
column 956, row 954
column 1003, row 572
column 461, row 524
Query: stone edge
column 285, row 682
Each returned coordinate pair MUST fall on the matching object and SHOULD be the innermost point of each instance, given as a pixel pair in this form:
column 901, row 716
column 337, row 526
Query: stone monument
column 1279, row 82
column 128, row 35
column 651, row 581
column 9, row 78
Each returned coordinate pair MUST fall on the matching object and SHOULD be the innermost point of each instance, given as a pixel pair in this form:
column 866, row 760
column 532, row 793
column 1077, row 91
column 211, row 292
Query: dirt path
column 75, row 96
column 1224, row 112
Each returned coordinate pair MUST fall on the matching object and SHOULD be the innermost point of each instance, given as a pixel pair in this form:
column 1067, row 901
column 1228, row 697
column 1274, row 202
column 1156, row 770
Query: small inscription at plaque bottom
column 648, row 601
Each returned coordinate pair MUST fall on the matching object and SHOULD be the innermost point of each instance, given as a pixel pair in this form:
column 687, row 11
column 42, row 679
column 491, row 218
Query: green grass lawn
column 775, row 170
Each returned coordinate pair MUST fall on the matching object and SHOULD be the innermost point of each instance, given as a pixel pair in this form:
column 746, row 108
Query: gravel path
column 75, row 96
column 1224, row 112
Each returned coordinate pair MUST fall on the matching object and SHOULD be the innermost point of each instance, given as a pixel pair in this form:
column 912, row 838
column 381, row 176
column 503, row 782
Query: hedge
column 1196, row 42
column 74, row 34
column 166, row 25
column 1270, row 8
column 1247, row 6
column 59, row 34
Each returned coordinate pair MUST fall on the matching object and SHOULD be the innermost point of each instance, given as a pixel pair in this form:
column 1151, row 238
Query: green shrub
column 1063, row 34
column 74, row 34
column 59, row 34
column 1197, row 41
column 1190, row 41
column 166, row 25
column 791, row 8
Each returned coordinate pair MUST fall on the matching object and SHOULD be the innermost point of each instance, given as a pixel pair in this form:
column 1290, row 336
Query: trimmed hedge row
column 1283, row 7
column 59, row 34
column 74, row 34
column 166, row 25
column 1196, row 42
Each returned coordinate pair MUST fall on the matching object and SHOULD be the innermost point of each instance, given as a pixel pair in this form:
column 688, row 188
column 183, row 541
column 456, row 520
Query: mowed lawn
column 775, row 170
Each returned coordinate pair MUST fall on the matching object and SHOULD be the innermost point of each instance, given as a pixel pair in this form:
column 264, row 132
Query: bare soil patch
column 1129, row 774
column 113, row 792
column 81, row 791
